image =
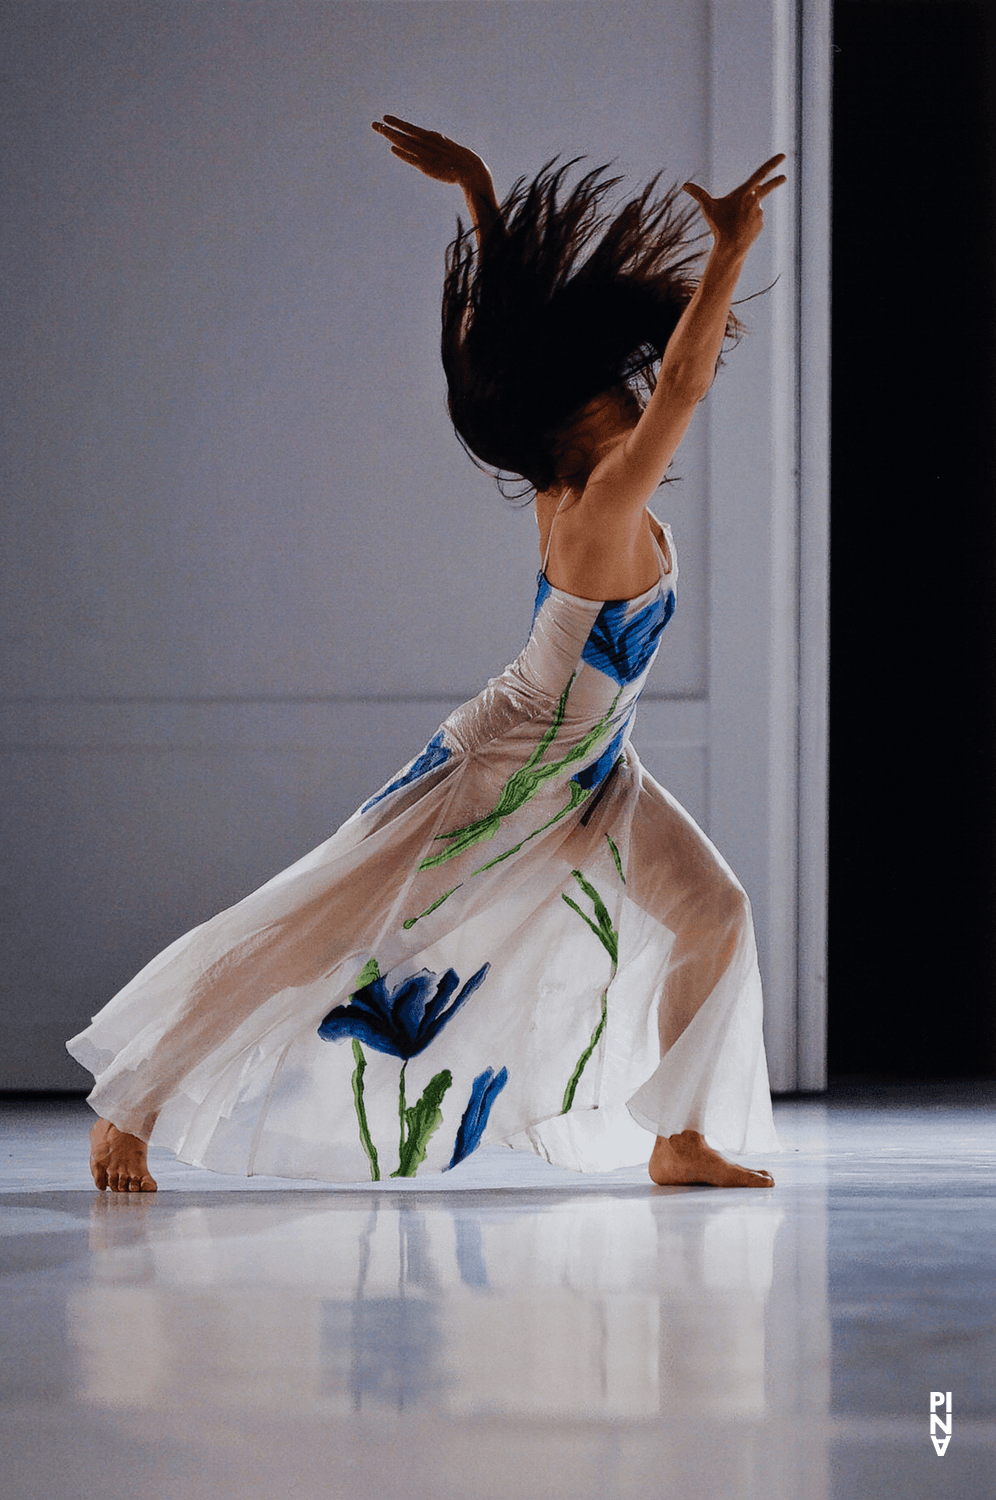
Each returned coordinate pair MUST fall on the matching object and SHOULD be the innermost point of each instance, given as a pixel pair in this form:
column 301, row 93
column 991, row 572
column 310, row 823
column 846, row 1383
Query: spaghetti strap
column 665, row 553
column 664, row 559
column 549, row 537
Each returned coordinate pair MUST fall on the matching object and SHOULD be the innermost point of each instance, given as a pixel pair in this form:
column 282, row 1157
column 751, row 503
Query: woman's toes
column 117, row 1161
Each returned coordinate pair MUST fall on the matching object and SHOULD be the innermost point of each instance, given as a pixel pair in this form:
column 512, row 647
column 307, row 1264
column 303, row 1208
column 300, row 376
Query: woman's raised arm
column 633, row 470
column 445, row 161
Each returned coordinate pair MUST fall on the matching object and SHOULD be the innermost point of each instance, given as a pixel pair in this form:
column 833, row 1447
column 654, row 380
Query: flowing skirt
column 522, row 938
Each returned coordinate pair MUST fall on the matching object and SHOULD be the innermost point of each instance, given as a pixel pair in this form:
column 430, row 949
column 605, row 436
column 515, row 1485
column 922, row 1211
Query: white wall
column 768, row 456
column 250, row 568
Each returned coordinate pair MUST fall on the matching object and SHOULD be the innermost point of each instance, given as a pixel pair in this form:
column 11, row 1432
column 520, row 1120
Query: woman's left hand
column 737, row 220
column 435, row 155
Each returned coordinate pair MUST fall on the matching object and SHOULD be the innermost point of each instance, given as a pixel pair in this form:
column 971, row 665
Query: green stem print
column 367, row 975
column 577, row 795
column 609, row 938
column 401, row 1113
column 410, row 923
column 523, row 784
column 602, row 927
column 420, row 1121
column 361, row 1112
column 616, row 858
column 582, row 1061
column 417, row 1123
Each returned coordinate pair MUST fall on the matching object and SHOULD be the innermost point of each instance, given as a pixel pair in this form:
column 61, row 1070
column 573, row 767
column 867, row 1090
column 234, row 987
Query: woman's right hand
column 737, row 220
column 435, row 155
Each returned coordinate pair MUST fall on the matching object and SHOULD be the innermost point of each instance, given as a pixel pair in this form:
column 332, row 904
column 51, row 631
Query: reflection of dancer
column 521, row 933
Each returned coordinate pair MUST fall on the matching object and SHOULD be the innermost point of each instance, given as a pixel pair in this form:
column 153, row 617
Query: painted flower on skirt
column 403, row 1021
column 622, row 648
column 435, row 754
column 486, row 1088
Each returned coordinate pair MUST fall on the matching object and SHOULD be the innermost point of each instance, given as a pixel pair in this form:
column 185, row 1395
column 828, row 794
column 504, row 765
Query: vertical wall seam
column 800, row 1018
column 815, row 37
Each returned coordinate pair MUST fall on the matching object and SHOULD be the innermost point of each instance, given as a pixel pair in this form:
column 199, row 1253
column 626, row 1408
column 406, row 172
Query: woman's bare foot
column 118, row 1161
column 685, row 1157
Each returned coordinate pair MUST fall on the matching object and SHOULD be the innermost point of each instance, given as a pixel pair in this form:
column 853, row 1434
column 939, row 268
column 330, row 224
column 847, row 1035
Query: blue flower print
column 403, row 1021
column 435, row 754
column 622, row 648
column 542, row 594
column 596, row 773
column 485, row 1090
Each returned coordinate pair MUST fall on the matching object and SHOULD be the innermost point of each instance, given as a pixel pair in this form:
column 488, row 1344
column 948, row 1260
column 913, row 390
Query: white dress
column 521, row 938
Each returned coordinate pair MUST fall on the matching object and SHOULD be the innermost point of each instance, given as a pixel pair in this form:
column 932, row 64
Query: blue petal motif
column 435, row 754
column 592, row 775
column 542, row 594
column 622, row 648
column 486, row 1088
column 403, row 1021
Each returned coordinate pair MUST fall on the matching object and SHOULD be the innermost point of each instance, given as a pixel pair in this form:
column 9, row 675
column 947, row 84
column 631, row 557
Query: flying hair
column 562, row 301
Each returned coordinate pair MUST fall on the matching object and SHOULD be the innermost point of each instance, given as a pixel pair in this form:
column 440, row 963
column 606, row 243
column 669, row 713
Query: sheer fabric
column 520, row 938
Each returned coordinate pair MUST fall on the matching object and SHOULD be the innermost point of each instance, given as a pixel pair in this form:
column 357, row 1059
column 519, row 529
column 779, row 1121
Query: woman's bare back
column 593, row 547
column 582, row 560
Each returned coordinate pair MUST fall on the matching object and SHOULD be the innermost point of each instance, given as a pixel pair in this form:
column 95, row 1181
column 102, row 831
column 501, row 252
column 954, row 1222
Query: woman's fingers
column 424, row 145
column 404, row 131
column 391, row 133
column 395, row 123
column 698, row 193
column 755, row 177
column 736, row 219
column 431, row 153
column 417, row 150
column 754, row 186
column 769, row 187
column 406, row 125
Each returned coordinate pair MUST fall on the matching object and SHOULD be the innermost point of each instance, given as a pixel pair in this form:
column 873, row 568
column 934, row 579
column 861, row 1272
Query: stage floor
column 511, row 1332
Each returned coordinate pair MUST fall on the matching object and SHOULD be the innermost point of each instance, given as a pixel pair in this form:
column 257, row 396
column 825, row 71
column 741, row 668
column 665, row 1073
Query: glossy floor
column 513, row 1331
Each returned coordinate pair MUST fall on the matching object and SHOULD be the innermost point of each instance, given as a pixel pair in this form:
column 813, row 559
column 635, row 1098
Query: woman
column 521, row 933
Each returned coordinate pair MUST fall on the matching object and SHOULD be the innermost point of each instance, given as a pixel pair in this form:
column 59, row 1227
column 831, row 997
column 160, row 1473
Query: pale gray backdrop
column 249, row 569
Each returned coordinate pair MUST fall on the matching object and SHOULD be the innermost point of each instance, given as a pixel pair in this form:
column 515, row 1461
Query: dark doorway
column 913, row 677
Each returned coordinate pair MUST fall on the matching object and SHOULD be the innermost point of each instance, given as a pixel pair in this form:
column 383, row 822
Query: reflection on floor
column 512, row 1331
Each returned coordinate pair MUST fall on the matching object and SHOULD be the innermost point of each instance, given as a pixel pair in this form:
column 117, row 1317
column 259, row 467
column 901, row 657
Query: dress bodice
column 609, row 645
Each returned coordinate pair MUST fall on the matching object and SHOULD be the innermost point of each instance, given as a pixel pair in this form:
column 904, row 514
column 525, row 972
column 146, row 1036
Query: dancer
column 521, row 937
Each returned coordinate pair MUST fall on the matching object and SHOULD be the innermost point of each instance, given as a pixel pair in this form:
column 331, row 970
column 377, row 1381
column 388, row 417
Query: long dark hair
column 561, row 303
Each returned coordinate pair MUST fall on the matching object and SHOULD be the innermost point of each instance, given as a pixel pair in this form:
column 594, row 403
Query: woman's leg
column 675, row 874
